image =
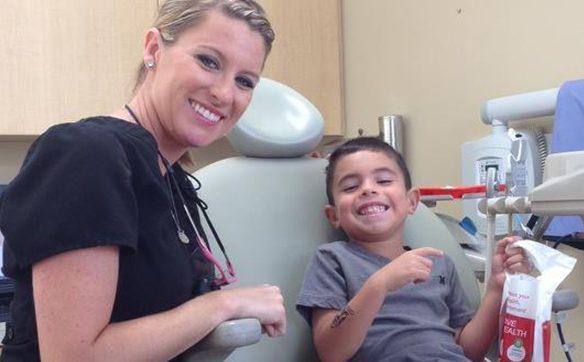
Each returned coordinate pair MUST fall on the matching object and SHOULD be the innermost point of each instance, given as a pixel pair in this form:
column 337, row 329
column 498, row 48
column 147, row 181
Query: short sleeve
column 73, row 191
column 324, row 285
column 461, row 311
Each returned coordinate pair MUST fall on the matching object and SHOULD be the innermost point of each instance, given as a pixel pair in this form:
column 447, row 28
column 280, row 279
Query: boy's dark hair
column 363, row 144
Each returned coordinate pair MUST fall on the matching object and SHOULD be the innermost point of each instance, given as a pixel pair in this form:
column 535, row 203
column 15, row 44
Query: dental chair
column 267, row 207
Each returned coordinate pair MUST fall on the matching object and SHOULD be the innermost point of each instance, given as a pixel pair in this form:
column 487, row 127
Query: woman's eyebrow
column 222, row 58
column 210, row 48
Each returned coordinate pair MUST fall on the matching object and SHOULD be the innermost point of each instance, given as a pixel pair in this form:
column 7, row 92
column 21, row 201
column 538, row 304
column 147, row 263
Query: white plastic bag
column 525, row 327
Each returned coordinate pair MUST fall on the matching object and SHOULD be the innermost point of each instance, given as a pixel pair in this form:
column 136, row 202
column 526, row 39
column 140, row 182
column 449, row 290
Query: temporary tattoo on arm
column 340, row 318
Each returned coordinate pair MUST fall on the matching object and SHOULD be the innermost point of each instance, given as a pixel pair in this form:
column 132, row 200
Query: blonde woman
column 102, row 228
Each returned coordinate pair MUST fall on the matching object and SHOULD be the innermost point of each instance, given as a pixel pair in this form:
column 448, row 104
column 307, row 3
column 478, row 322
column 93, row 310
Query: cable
column 542, row 149
column 562, row 240
column 563, row 341
column 559, row 241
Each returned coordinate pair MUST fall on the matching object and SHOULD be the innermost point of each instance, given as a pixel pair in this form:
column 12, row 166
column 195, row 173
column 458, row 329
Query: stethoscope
column 224, row 278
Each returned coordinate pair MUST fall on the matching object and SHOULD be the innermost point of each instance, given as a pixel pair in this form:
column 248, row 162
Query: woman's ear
column 413, row 198
column 152, row 46
column 331, row 214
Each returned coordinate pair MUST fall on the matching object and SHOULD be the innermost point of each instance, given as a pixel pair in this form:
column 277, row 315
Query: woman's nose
column 222, row 91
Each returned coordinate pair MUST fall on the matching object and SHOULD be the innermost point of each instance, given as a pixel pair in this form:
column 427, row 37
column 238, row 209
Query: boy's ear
column 414, row 199
column 331, row 215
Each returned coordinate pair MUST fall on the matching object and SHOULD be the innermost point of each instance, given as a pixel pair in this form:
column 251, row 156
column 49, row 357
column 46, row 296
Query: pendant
column 183, row 237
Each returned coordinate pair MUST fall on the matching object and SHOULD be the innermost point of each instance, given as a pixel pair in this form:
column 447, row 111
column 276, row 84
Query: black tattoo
column 340, row 318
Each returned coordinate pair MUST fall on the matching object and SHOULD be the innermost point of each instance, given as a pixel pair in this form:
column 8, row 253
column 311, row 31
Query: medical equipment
column 515, row 156
column 534, row 104
column 559, row 194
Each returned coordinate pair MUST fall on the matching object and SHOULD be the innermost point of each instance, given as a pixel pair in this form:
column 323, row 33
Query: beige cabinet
column 65, row 59
column 307, row 54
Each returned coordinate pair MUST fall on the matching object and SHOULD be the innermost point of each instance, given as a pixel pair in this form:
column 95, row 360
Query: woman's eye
column 208, row 62
column 245, row 82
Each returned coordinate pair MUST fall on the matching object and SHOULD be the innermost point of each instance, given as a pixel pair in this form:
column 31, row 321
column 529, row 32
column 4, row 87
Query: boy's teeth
column 371, row 210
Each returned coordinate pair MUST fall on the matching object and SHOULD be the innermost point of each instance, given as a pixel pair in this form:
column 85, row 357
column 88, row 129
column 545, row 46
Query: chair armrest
column 224, row 339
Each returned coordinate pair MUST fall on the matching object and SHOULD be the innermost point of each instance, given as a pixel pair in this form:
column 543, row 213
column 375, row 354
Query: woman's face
column 203, row 82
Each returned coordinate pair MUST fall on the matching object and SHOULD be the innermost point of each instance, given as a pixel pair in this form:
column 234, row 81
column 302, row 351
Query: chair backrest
column 269, row 214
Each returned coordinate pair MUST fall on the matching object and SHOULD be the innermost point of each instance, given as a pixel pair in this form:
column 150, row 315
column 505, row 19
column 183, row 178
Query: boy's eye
column 245, row 82
column 349, row 188
column 385, row 181
column 208, row 61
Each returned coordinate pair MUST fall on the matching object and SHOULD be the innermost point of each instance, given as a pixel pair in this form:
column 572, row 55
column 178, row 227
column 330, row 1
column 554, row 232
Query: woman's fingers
column 269, row 330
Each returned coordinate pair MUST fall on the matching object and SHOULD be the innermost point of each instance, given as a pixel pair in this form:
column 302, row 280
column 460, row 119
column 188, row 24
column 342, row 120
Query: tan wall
column 436, row 61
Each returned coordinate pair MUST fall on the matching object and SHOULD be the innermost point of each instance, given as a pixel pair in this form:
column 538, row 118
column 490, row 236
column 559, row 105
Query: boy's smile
column 372, row 209
column 371, row 200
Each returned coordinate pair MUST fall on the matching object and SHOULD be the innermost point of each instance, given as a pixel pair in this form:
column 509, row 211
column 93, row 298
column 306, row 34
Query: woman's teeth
column 208, row 115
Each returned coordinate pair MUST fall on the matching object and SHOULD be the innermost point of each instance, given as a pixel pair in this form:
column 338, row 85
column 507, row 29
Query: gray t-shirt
column 415, row 323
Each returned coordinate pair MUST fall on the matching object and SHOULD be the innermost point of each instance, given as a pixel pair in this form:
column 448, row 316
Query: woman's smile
column 208, row 115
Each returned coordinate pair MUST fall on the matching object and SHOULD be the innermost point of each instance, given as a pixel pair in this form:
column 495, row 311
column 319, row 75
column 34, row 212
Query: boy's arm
column 476, row 337
column 338, row 334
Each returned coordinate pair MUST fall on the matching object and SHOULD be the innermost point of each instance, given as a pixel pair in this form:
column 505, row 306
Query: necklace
column 226, row 277
column 182, row 236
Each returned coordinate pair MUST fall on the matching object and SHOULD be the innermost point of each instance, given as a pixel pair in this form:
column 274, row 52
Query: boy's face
column 371, row 200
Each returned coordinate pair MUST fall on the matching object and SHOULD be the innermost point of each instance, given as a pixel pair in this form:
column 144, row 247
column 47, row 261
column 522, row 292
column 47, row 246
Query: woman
column 101, row 228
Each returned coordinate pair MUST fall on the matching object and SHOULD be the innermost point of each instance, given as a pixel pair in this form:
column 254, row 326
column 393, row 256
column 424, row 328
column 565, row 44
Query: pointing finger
column 428, row 251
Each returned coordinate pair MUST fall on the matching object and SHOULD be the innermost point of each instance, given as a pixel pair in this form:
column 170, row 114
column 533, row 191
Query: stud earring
column 150, row 64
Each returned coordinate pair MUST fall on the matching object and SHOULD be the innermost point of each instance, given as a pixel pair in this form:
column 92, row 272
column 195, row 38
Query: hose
column 542, row 148
column 563, row 341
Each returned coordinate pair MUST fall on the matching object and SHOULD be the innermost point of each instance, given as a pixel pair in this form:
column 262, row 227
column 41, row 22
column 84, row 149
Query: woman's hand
column 264, row 302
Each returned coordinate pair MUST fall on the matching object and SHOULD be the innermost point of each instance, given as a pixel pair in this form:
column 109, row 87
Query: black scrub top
column 90, row 183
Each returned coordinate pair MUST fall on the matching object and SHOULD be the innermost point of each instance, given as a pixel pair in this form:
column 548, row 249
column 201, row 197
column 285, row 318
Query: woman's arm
column 74, row 294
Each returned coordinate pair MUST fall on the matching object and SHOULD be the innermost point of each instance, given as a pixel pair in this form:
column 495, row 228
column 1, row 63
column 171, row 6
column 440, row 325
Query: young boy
column 371, row 299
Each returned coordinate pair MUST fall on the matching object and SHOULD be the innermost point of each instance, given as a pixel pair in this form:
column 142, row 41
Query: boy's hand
column 411, row 267
column 513, row 260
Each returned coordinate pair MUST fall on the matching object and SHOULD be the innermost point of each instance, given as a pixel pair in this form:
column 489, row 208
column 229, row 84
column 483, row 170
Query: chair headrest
column 279, row 122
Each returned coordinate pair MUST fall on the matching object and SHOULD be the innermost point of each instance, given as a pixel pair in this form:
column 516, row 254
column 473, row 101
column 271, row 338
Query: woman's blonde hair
column 176, row 16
